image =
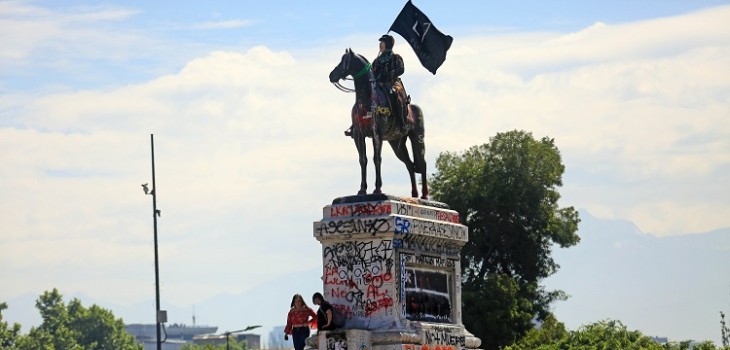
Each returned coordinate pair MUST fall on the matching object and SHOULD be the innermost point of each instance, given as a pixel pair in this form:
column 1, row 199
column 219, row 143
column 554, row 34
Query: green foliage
column 724, row 331
column 74, row 327
column 611, row 335
column 495, row 305
column 9, row 335
column 506, row 192
column 708, row 345
column 96, row 328
column 606, row 334
column 550, row 336
column 54, row 332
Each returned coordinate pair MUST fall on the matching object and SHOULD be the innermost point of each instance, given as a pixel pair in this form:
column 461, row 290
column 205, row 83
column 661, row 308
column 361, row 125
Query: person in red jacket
column 298, row 321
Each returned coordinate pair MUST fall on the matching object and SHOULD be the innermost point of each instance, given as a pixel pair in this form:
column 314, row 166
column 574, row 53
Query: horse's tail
column 418, row 143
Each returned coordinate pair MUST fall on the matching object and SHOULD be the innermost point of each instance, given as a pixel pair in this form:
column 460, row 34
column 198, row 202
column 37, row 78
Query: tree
column 54, row 332
column 724, row 331
column 506, row 193
column 75, row 327
column 97, row 328
column 608, row 334
column 8, row 335
column 550, row 336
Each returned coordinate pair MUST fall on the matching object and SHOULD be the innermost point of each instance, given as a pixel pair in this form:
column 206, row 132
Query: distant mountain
column 664, row 286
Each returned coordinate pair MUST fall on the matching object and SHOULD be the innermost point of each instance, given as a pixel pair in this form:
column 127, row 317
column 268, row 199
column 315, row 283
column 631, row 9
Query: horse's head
column 350, row 64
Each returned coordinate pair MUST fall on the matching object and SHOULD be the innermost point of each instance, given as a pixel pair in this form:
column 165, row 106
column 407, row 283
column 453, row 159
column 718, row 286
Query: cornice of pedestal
column 383, row 215
column 383, row 197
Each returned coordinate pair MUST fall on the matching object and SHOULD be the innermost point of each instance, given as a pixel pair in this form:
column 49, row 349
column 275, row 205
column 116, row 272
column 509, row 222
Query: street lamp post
column 228, row 334
column 160, row 317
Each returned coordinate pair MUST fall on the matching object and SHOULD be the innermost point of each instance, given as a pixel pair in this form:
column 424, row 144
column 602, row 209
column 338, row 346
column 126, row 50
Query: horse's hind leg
column 419, row 165
column 418, row 146
column 401, row 151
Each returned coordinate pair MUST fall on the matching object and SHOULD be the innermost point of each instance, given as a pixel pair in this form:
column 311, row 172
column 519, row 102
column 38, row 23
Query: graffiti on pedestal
column 359, row 278
column 359, row 210
column 429, row 347
column 426, row 291
column 439, row 338
column 426, row 212
column 430, row 247
column 336, row 341
column 350, row 226
column 427, row 296
column 411, row 226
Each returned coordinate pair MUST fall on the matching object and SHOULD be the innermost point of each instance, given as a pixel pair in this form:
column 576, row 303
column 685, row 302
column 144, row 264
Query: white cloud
column 27, row 29
column 225, row 24
column 231, row 168
column 249, row 146
column 631, row 105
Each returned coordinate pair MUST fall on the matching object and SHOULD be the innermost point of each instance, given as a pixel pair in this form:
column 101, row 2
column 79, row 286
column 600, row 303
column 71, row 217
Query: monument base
column 392, row 266
column 422, row 336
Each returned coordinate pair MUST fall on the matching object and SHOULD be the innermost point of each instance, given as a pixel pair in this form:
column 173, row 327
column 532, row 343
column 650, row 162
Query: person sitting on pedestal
column 325, row 314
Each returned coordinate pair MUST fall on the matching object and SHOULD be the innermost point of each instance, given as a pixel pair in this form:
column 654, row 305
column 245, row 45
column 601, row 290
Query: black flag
column 428, row 42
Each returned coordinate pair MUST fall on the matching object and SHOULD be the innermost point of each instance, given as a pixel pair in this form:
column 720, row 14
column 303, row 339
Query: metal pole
column 157, row 265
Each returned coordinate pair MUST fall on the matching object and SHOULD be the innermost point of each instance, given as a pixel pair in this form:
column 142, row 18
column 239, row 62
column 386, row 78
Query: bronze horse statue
column 373, row 116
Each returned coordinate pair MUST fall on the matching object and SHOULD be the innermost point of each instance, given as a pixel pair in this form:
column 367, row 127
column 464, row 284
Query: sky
column 248, row 132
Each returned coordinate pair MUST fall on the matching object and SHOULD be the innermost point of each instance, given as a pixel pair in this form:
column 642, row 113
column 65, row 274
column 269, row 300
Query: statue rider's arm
column 398, row 66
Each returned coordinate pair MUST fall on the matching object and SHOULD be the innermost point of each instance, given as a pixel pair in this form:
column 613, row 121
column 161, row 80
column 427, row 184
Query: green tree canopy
column 506, row 193
column 9, row 335
column 74, row 327
column 607, row 334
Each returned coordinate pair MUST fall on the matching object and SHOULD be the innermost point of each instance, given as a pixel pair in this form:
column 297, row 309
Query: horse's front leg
column 363, row 158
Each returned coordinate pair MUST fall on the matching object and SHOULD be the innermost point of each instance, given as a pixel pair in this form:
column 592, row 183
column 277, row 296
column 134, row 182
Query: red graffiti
column 344, row 309
column 426, row 347
column 377, row 280
column 340, row 211
column 374, row 292
column 338, row 293
column 371, row 209
column 332, row 278
column 373, row 306
column 446, row 216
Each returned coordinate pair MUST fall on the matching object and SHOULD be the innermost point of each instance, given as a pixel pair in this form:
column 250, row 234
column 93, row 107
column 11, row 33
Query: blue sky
column 180, row 32
column 248, row 130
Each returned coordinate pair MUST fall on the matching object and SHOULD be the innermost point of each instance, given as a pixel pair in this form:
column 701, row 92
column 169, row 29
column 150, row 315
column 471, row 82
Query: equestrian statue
column 383, row 112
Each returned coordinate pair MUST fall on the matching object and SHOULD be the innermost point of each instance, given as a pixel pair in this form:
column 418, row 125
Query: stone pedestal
column 392, row 266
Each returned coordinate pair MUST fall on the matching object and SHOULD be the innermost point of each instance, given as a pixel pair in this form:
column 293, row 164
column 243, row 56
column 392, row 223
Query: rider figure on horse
column 387, row 68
